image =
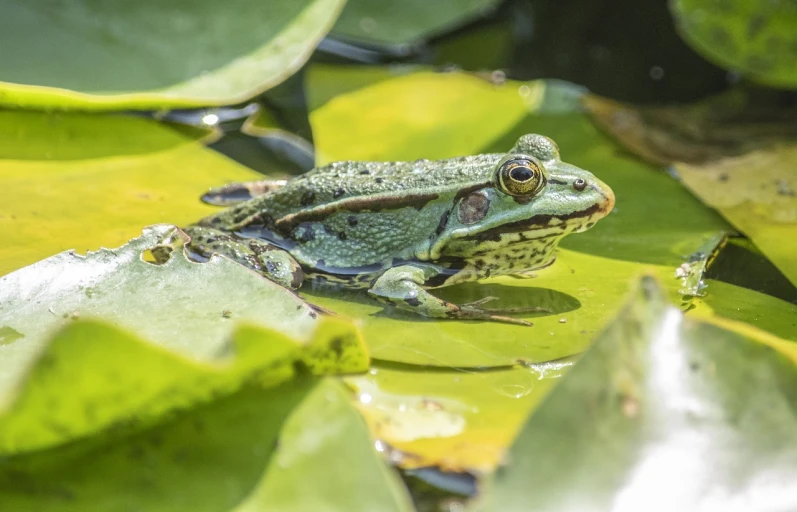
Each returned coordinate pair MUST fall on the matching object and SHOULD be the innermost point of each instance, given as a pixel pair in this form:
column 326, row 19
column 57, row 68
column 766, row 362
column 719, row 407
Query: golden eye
column 520, row 177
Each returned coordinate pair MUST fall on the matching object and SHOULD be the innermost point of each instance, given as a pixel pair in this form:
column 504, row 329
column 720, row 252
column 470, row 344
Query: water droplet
column 365, row 398
column 514, row 390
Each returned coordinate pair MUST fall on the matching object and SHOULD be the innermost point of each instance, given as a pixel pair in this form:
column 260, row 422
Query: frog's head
column 533, row 198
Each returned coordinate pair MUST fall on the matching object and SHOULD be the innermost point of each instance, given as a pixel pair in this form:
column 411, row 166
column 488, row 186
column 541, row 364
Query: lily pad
column 730, row 124
column 397, row 117
column 420, row 116
column 757, row 193
column 457, row 420
column 150, row 55
column 383, row 22
column 83, row 181
column 325, row 460
column 662, row 394
column 239, row 453
column 118, row 286
column 756, row 37
column 735, row 152
column 774, row 315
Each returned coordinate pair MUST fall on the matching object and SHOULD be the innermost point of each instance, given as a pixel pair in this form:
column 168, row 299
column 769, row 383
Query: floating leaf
column 458, row 420
column 730, row 124
column 735, row 152
column 325, row 460
column 405, row 22
column 83, row 181
column 402, row 119
column 118, row 380
column 284, row 448
column 757, row 193
column 149, row 55
column 661, row 394
column 189, row 309
column 759, row 309
column 753, row 36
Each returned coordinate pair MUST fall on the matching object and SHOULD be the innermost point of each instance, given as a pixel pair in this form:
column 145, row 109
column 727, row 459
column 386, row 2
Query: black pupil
column 521, row 174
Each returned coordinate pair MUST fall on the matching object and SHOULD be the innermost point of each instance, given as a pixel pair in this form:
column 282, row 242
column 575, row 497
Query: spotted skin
column 398, row 229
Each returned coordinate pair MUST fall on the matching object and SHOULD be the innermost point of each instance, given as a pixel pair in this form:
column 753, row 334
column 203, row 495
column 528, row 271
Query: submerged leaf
column 756, row 37
column 151, row 55
column 662, row 409
column 729, row 124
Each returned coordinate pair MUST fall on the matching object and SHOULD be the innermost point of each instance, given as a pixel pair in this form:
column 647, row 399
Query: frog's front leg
column 402, row 287
column 261, row 256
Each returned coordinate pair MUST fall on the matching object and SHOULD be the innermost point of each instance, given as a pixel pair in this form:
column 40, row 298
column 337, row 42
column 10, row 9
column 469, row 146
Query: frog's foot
column 235, row 193
column 402, row 287
column 261, row 256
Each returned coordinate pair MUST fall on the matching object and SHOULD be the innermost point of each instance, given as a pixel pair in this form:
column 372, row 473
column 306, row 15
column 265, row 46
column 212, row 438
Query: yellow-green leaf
column 189, row 313
column 757, row 193
column 78, row 181
column 458, row 420
column 662, row 409
column 736, row 152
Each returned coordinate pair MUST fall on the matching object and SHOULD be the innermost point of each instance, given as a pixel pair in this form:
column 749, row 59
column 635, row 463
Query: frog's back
column 359, row 214
column 344, row 182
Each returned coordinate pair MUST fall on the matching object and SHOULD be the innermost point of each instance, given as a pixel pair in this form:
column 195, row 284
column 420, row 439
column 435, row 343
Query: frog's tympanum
column 397, row 229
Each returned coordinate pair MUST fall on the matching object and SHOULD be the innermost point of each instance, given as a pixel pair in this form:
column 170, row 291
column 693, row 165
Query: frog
column 399, row 229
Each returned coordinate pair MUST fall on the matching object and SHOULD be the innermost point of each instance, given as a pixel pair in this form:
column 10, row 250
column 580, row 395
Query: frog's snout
column 607, row 195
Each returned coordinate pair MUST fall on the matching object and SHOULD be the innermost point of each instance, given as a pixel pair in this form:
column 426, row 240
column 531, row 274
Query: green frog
column 398, row 229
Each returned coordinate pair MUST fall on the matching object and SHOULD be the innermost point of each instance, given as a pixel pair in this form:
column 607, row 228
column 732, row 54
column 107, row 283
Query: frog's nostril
column 579, row 184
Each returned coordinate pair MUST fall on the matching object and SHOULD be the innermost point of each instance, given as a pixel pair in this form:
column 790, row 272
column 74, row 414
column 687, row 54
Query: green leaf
column 150, row 55
column 737, row 303
column 84, row 181
column 295, row 447
column 757, row 193
column 735, row 152
column 190, row 312
column 458, row 420
column 662, row 409
column 118, row 380
column 420, row 115
column 406, row 22
column 756, row 37
column 207, row 459
column 325, row 460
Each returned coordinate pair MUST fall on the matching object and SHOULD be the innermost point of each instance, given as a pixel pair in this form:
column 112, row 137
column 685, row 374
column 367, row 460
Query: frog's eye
column 520, row 177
